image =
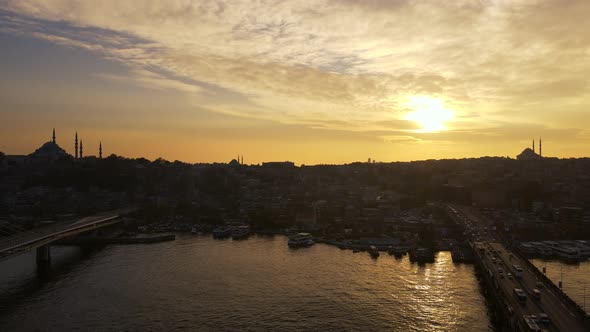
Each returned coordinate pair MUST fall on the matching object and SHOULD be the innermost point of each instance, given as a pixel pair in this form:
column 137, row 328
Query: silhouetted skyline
column 316, row 82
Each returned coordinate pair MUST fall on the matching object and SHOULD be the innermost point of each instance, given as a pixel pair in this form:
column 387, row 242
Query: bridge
column 41, row 238
column 504, row 271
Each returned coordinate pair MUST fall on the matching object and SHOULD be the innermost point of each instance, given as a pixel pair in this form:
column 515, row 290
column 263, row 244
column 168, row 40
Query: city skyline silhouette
column 407, row 81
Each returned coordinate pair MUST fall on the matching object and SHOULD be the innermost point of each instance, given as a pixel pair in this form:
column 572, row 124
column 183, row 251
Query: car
column 509, row 275
column 539, row 284
column 544, row 318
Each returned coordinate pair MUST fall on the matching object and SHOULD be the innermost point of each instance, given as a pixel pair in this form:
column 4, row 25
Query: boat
column 240, row 232
column 355, row 250
column 421, row 255
column 398, row 252
column 221, row 232
column 300, row 240
column 195, row 230
column 373, row 251
column 569, row 254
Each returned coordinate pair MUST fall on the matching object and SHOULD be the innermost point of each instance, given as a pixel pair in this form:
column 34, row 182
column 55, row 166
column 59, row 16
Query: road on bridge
column 499, row 261
column 20, row 242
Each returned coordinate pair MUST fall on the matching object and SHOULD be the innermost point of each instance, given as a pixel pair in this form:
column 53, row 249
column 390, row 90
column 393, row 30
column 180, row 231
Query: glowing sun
column 430, row 113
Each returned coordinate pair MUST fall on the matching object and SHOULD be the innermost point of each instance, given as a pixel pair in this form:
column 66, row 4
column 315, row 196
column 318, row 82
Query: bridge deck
column 18, row 243
column 496, row 257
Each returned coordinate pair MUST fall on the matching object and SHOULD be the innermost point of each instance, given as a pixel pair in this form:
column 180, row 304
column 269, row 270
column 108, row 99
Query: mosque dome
column 48, row 150
column 528, row 154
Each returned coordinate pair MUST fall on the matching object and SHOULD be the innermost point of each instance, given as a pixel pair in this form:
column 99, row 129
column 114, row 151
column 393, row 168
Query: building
column 48, row 152
column 530, row 154
column 279, row 164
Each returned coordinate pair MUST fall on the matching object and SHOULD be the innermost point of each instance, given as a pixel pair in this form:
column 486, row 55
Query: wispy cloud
column 152, row 80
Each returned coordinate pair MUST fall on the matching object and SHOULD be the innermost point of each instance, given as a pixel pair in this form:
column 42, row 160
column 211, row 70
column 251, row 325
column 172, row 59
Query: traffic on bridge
column 529, row 302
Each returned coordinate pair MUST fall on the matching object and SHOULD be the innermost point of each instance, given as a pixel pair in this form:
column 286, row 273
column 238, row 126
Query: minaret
column 53, row 138
column 540, row 147
column 100, row 150
column 76, row 145
column 533, row 145
column 81, row 150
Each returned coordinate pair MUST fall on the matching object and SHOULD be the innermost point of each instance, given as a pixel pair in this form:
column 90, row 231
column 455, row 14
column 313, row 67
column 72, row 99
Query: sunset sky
column 307, row 81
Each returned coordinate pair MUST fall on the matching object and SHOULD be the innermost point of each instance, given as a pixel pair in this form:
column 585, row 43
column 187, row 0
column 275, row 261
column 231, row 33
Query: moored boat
column 397, row 251
column 221, row 232
column 421, row 255
column 300, row 240
column 373, row 251
column 240, row 232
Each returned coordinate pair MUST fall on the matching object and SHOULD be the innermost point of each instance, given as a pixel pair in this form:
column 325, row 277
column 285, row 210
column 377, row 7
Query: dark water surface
column 199, row 284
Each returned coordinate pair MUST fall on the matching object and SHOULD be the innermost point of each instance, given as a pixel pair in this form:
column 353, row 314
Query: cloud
column 152, row 80
column 342, row 65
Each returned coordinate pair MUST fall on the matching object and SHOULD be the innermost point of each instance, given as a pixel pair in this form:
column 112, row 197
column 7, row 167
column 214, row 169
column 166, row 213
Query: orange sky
column 307, row 81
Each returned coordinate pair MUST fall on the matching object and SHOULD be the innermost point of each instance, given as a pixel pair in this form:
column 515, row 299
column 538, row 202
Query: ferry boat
column 527, row 248
column 240, row 232
column 544, row 251
column 221, row 232
column 373, row 251
column 568, row 254
column 584, row 252
column 300, row 240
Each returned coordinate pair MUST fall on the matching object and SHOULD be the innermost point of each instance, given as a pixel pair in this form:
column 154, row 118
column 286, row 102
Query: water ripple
column 199, row 284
